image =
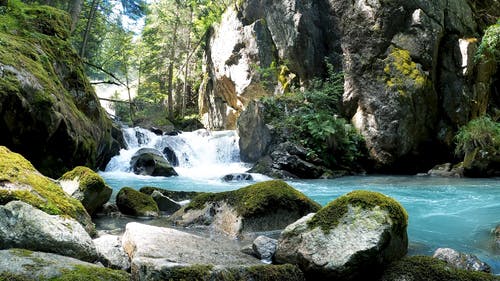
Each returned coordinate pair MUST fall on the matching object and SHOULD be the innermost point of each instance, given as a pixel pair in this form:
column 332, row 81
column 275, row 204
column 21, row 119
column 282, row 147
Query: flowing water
column 443, row 212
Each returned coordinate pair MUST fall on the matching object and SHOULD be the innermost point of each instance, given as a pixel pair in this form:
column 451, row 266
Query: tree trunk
column 93, row 9
column 186, row 71
column 171, row 73
column 75, row 10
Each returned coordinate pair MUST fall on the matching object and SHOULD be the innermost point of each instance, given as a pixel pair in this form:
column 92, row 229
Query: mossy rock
column 134, row 203
column 45, row 95
column 260, row 199
column 423, row 268
column 174, row 195
column 19, row 180
column 90, row 190
column 329, row 217
column 87, row 273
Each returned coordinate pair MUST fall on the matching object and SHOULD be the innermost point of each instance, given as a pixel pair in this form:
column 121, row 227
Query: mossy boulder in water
column 172, row 194
column 19, row 180
column 150, row 162
column 421, row 268
column 134, row 203
column 86, row 186
column 263, row 206
column 45, row 96
column 351, row 238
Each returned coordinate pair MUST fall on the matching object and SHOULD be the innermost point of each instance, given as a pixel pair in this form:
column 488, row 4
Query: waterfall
column 200, row 154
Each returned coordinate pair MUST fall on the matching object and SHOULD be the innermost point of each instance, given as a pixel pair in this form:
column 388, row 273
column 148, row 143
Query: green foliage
column 329, row 216
column 481, row 133
column 259, row 198
column 490, row 44
column 310, row 118
column 422, row 268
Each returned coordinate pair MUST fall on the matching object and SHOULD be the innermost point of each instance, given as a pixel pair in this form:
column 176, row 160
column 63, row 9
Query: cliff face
column 410, row 75
column 49, row 111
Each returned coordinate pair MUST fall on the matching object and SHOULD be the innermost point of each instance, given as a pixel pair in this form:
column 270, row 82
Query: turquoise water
column 443, row 212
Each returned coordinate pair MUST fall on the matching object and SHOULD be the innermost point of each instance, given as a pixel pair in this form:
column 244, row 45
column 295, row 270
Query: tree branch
column 107, row 72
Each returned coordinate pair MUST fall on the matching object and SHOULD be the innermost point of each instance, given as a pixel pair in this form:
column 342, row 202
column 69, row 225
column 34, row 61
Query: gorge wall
column 410, row 74
column 49, row 112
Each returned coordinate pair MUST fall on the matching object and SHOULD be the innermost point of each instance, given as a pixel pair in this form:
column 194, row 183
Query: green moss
column 6, row 276
column 92, row 273
column 260, row 198
column 422, row 268
column 274, row 272
column 21, row 252
column 195, row 272
column 87, row 177
column 329, row 217
column 35, row 189
column 135, row 203
column 402, row 73
column 174, row 195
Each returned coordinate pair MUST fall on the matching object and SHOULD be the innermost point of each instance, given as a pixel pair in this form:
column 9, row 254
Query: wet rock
column 23, row 226
column 156, row 131
column 237, row 177
column 461, row 260
column 165, row 204
column 148, row 161
column 172, row 194
column 87, row 187
column 264, row 248
column 447, row 170
column 263, row 206
column 496, row 232
column 348, row 239
column 135, row 203
column 21, row 264
column 171, row 156
column 111, row 253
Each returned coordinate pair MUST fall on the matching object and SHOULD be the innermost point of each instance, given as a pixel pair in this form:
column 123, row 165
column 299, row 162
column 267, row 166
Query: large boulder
column 263, row 206
column 46, row 97
column 87, row 187
column 172, row 194
column 23, row 226
column 111, row 253
column 353, row 237
column 253, row 132
column 150, row 162
column 421, row 268
column 135, row 203
column 165, row 204
column 461, row 260
column 19, row 180
column 24, row 265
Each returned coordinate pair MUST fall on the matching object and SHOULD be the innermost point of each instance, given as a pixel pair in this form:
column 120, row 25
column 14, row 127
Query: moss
column 274, row 272
column 329, row 217
column 34, row 188
column 422, row 268
column 135, row 203
column 402, row 73
column 21, row 252
column 87, row 177
column 195, row 272
column 6, row 276
column 260, row 198
column 92, row 273
column 174, row 195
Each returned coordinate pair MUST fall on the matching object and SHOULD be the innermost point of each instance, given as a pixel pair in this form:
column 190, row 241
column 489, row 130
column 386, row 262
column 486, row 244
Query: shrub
column 490, row 44
column 481, row 133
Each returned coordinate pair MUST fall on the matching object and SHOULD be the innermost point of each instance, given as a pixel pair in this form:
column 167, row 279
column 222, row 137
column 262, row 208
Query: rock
column 446, row 170
column 23, row 226
column 171, row 157
column 57, row 108
column 351, row 238
column 156, row 131
column 19, row 180
column 496, row 232
column 263, row 206
column 461, row 260
column 150, row 162
column 87, row 187
column 174, row 195
column 421, row 268
column 20, row 264
column 265, row 247
column 237, row 177
column 134, row 203
column 169, row 271
column 292, row 158
column 111, row 253
column 165, row 204
column 255, row 137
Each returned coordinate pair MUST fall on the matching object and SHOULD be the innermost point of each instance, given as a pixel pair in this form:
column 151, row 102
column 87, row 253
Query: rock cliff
column 49, row 111
column 411, row 77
